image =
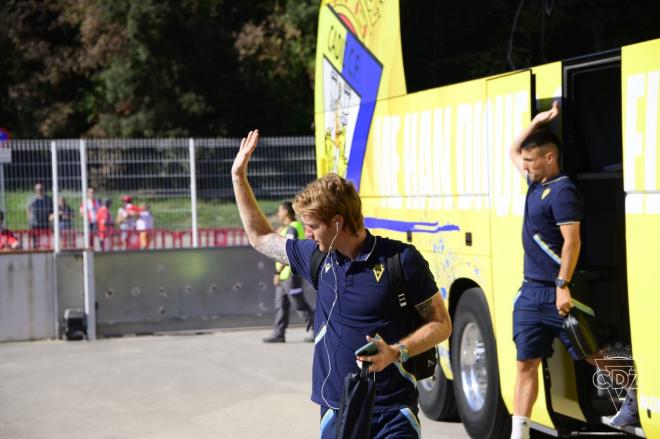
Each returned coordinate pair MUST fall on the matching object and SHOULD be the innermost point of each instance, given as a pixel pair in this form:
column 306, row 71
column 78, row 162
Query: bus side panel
column 640, row 75
column 358, row 60
column 460, row 266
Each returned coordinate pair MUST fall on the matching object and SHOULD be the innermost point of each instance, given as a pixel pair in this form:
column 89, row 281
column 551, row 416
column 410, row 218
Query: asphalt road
column 217, row 385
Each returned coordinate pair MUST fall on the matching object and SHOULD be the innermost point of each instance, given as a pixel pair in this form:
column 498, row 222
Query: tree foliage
column 122, row 68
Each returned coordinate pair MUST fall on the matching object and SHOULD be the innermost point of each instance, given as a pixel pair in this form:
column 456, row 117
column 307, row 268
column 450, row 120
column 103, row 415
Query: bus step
column 637, row 431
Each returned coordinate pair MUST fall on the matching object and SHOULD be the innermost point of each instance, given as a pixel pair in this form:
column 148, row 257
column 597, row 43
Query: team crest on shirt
column 545, row 193
column 378, row 271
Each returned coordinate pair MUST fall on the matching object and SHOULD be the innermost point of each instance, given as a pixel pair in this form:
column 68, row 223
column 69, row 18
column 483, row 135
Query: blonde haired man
column 355, row 302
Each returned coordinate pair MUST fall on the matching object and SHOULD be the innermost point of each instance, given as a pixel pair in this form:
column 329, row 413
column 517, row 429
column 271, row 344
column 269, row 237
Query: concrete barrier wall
column 176, row 290
column 138, row 292
column 27, row 296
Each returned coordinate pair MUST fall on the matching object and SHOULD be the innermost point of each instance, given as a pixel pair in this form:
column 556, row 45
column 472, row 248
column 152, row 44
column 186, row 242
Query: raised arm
column 540, row 119
column 260, row 233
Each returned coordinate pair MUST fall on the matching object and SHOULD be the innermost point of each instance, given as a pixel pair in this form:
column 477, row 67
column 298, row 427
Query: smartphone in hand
column 370, row 348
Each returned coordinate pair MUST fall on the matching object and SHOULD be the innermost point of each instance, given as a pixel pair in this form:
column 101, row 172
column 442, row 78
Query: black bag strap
column 397, row 280
column 422, row 365
column 317, row 259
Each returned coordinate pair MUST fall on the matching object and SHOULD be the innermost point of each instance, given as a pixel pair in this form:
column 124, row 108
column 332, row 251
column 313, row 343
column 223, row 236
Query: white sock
column 519, row 427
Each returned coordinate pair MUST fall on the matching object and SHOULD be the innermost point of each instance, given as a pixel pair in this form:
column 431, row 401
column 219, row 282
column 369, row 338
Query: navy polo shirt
column 354, row 300
column 547, row 206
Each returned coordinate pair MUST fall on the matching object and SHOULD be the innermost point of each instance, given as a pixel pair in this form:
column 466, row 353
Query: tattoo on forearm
column 273, row 246
column 427, row 310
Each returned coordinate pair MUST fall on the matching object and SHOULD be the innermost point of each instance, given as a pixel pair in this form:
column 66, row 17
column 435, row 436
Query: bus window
column 449, row 42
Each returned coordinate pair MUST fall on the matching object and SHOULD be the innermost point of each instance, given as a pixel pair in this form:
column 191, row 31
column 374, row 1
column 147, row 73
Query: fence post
column 83, row 188
column 90, row 293
column 56, row 234
column 56, row 197
column 3, row 204
column 88, row 251
column 193, row 191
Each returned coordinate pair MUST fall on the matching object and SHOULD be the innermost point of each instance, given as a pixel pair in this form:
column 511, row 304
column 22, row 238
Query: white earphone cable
column 327, row 320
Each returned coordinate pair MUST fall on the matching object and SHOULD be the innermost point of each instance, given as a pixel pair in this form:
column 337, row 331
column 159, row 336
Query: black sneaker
column 274, row 339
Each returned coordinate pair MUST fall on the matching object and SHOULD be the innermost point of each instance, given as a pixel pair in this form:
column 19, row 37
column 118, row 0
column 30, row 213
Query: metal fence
column 119, row 194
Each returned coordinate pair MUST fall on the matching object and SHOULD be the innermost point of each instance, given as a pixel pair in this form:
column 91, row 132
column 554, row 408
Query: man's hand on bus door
column 548, row 116
column 564, row 301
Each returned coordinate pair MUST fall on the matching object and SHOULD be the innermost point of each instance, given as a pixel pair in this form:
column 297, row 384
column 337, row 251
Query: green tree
column 152, row 68
column 277, row 58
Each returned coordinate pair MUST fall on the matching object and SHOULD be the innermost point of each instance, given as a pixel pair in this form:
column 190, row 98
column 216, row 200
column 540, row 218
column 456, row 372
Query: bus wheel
column 436, row 397
column 474, row 362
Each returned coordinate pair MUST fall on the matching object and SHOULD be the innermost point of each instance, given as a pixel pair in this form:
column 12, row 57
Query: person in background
column 91, row 205
column 105, row 224
column 8, row 241
column 124, row 220
column 66, row 222
column 144, row 225
column 39, row 209
column 288, row 286
column 133, row 235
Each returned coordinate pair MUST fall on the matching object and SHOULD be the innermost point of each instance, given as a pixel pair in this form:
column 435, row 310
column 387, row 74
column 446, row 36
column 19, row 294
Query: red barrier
column 119, row 240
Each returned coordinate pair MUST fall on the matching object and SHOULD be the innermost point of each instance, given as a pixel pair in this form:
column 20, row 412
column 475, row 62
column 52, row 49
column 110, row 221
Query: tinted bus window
column 449, row 42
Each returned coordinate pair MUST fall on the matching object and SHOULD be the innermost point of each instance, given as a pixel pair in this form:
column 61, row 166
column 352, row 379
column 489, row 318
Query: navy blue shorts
column 399, row 424
column 536, row 321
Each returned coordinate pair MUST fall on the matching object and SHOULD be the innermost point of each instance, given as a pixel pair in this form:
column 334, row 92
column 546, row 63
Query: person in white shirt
column 144, row 225
column 124, row 220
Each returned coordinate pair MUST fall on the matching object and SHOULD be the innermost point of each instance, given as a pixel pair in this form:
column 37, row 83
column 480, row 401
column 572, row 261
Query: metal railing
column 141, row 193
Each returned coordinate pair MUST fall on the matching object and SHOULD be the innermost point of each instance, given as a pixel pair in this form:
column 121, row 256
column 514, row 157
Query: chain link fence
column 129, row 194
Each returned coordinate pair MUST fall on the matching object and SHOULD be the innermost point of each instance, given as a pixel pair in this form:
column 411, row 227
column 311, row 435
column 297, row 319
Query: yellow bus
column 432, row 168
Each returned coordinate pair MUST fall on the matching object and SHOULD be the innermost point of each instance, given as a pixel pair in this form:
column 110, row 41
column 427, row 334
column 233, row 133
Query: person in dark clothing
column 288, row 286
column 551, row 239
column 39, row 210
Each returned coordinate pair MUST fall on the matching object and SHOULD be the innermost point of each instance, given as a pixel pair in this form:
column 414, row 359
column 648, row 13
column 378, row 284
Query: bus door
column 591, row 156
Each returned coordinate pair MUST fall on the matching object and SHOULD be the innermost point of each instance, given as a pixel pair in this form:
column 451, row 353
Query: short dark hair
column 540, row 138
column 2, row 215
column 288, row 206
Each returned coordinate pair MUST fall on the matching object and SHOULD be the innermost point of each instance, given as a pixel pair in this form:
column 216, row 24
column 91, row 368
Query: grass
column 173, row 213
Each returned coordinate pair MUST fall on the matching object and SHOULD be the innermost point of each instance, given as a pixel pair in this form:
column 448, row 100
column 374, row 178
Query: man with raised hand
column 355, row 302
column 551, row 241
